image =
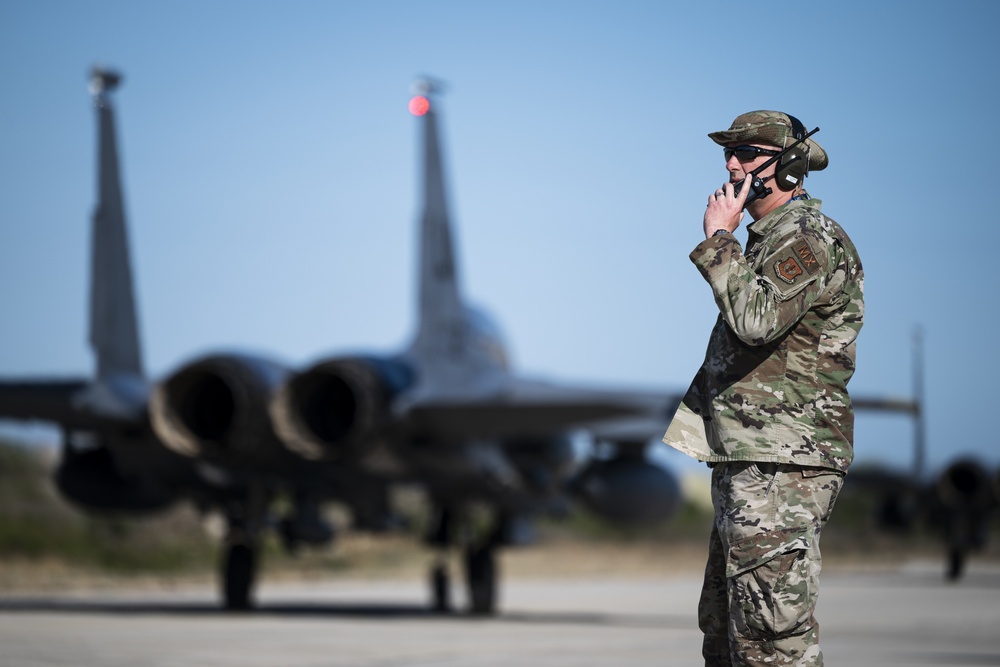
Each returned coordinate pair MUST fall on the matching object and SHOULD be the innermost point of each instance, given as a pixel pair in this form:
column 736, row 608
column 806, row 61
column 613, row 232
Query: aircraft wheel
column 238, row 572
column 482, row 579
column 440, row 588
column 956, row 564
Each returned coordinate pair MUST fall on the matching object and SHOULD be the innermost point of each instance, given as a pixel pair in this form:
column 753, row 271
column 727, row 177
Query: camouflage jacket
column 773, row 386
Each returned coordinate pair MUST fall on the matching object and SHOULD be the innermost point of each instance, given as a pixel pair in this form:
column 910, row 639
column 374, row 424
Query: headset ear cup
column 798, row 129
column 791, row 169
column 794, row 165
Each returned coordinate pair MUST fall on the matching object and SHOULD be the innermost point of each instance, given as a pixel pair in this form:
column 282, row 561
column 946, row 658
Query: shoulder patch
column 796, row 261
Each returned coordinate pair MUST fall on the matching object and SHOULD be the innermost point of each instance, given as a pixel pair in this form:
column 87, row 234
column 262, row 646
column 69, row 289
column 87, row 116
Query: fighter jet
column 236, row 433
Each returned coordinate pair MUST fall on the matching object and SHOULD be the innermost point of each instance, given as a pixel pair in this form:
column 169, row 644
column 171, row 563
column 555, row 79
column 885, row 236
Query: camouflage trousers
column 762, row 577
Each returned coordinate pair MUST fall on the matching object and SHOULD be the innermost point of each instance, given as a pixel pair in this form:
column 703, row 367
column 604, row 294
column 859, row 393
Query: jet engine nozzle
column 330, row 411
column 216, row 409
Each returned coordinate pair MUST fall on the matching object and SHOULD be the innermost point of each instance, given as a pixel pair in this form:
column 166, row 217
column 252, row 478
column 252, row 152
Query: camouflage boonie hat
column 769, row 127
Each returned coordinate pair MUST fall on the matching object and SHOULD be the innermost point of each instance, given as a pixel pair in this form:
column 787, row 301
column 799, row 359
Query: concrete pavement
column 904, row 616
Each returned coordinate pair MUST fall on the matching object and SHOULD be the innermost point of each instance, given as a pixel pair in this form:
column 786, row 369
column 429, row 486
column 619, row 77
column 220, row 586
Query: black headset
column 794, row 164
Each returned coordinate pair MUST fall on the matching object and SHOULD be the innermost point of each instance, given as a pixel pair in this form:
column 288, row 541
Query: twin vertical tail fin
column 441, row 328
column 114, row 329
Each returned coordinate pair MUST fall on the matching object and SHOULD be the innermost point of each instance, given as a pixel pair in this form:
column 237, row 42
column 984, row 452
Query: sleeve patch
column 798, row 260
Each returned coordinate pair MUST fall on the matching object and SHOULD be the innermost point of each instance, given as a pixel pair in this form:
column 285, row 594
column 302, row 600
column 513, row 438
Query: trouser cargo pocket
column 772, row 583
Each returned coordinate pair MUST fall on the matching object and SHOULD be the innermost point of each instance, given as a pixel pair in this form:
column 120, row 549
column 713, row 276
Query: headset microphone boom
column 789, row 173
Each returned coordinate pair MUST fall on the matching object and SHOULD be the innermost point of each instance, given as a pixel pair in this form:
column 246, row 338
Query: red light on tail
column 419, row 105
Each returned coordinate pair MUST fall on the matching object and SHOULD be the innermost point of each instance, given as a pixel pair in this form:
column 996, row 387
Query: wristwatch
column 721, row 231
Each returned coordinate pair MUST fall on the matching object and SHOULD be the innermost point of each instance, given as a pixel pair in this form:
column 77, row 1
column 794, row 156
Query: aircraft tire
column 440, row 589
column 239, row 570
column 956, row 564
column 482, row 579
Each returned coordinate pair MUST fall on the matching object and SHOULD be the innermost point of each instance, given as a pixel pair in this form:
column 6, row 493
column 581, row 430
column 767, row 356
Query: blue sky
column 271, row 182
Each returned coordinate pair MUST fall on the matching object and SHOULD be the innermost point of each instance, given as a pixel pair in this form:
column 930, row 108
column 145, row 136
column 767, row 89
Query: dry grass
column 366, row 557
column 399, row 557
column 47, row 546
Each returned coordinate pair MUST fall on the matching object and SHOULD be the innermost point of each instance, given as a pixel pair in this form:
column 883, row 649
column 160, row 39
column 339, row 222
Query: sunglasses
column 746, row 153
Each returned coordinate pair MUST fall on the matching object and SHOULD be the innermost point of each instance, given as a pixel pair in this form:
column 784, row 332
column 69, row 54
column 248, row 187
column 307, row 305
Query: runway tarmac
column 906, row 616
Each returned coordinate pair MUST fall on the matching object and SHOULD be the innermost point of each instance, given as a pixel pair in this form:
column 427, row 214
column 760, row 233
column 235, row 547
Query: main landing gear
column 481, row 578
column 479, row 564
column 239, row 570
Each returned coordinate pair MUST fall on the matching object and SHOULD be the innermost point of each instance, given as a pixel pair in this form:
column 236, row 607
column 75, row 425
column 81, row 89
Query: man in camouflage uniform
column 769, row 409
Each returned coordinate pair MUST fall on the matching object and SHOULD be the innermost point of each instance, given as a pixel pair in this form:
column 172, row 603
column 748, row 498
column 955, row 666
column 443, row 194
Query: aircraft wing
column 40, row 400
column 530, row 409
column 904, row 405
column 533, row 408
column 71, row 403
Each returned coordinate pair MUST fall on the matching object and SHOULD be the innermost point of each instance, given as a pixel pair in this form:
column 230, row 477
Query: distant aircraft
column 237, row 433
column 958, row 502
